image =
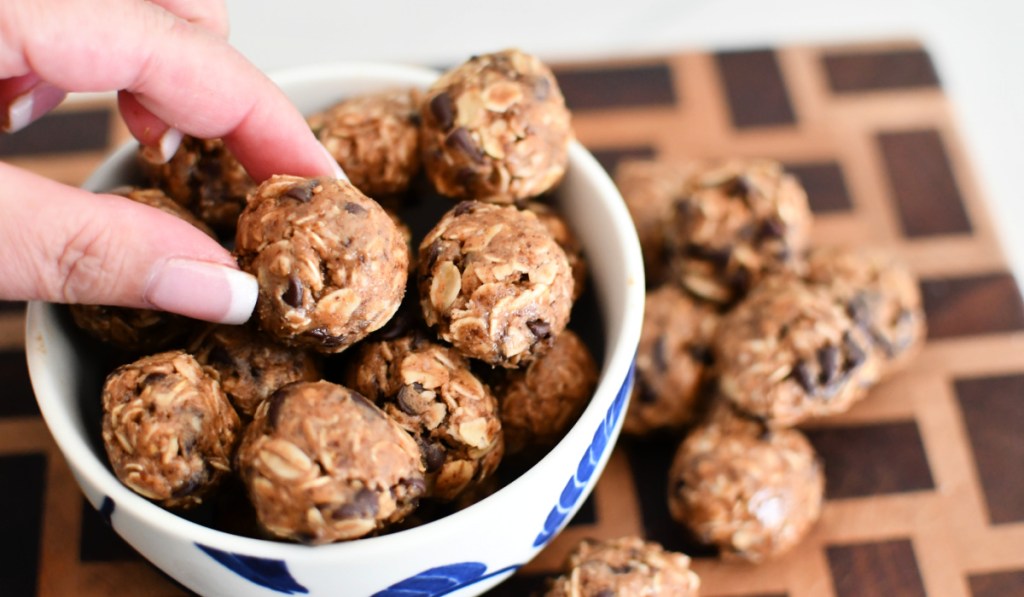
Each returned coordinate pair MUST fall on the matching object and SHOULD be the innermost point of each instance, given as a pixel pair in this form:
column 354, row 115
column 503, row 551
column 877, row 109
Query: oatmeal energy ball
column 429, row 390
column 138, row 330
column 321, row 464
column 789, row 352
column 625, row 566
column 671, row 361
column 168, row 429
column 736, row 221
column 494, row 283
column 330, row 262
column 204, row 177
column 375, row 139
column 751, row 491
column 250, row 366
column 541, row 401
column 495, row 129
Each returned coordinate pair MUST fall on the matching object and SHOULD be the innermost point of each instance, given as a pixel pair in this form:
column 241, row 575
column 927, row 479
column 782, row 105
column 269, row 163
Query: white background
column 978, row 47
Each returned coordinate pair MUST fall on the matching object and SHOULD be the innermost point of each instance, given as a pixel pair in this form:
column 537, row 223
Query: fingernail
column 202, row 290
column 338, row 172
column 32, row 105
column 164, row 150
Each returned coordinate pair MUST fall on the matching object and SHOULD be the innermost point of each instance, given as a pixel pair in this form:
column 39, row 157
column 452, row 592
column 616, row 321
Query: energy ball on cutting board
column 168, row 429
column 321, row 464
column 494, row 283
column 541, row 401
column 330, row 262
column 375, row 139
column 672, row 361
column 880, row 294
column 204, row 177
column 131, row 329
column 429, row 390
column 495, row 129
column 751, row 490
column 789, row 353
column 735, row 222
column 625, row 566
column 250, row 366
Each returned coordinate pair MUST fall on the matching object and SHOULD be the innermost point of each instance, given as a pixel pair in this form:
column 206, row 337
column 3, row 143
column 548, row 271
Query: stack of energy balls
column 748, row 333
column 339, row 408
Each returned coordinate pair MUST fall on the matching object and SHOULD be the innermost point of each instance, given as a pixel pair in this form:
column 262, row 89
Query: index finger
column 187, row 77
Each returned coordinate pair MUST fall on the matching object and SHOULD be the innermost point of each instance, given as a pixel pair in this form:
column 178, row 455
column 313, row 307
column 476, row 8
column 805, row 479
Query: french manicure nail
column 166, row 147
column 338, row 172
column 202, row 290
column 32, row 105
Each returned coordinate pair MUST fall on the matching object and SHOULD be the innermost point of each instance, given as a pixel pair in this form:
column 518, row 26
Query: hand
column 171, row 64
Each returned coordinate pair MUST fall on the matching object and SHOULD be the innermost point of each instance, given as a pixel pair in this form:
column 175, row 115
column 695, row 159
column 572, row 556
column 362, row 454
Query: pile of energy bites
column 428, row 399
column 748, row 333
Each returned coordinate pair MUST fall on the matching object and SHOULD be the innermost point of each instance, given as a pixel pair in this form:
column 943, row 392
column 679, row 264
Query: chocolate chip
column 433, row 456
column 828, row 363
column 740, row 281
column 464, row 207
column 414, row 118
column 854, row 354
column 719, row 258
column 660, row 354
column 737, row 187
column 354, row 208
column 646, row 394
column 409, row 400
column 324, row 337
column 701, row 353
column 443, row 110
column 274, row 403
column 461, row 139
column 539, row 327
column 433, row 252
column 303, row 192
column 152, row 378
column 771, row 228
column 859, row 309
column 293, row 294
column 363, row 505
column 219, row 355
column 802, row 373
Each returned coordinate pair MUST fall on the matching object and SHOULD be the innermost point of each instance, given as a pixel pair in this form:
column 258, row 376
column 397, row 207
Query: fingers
column 183, row 75
column 159, row 141
column 63, row 244
column 211, row 15
column 24, row 100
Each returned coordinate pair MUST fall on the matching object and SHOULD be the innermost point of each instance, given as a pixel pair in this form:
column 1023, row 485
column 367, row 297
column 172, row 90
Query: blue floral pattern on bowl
column 588, row 465
column 442, row 580
column 266, row 572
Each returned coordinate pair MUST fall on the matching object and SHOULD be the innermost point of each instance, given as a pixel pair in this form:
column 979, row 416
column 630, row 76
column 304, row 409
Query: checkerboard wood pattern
column 925, row 479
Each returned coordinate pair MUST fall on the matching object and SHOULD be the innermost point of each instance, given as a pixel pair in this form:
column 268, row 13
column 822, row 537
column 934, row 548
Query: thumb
column 63, row 244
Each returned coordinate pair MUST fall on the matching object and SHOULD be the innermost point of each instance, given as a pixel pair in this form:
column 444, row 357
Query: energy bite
column 330, row 262
column 375, row 139
column 429, row 390
column 131, row 329
column 625, row 566
column 168, row 429
column 321, row 464
column 650, row 189
column 736, row 221
column 789, row 352
column 880, row 294
column 541, row 401
column 671, row 361
column 751, row 490
column 494, row 283
column 250, row 366
column 495, row 129
column 203, row 176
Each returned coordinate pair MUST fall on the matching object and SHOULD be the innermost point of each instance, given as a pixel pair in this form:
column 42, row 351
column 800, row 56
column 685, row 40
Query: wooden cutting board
column 925, row 478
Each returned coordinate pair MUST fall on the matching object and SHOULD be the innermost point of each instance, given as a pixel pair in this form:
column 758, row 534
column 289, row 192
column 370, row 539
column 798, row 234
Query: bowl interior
column 67, row 376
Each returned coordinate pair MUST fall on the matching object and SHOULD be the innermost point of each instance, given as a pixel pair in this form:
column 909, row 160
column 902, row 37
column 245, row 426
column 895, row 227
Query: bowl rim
column 618, row 360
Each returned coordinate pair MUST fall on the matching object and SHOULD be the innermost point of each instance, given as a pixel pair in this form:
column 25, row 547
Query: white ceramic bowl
column 462, row 554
